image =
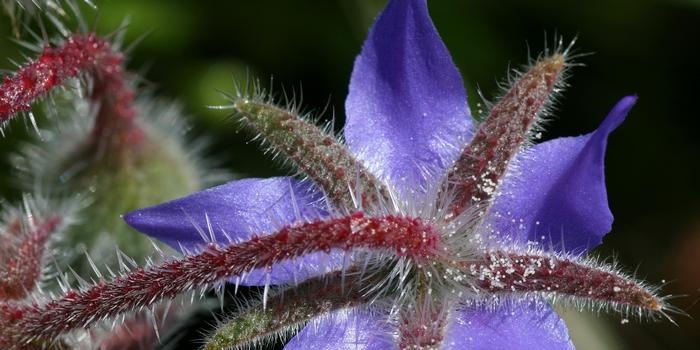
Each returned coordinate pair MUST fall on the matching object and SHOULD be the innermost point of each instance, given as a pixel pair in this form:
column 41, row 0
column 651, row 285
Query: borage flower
column 426, row 230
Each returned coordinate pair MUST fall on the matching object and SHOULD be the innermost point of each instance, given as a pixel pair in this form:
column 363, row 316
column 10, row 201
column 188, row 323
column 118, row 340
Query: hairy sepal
column 567, row 280
column 474, row 178
column 283, row 314
column 318, row 154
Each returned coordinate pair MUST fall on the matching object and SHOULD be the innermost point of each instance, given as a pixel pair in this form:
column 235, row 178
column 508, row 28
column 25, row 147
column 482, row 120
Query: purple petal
column 345, row 330
column 519, row 327
column 557, row 195
column 234, row 212
column 407, row 114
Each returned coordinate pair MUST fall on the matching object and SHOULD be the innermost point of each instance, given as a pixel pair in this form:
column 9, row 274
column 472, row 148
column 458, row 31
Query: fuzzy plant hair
column 408, row 231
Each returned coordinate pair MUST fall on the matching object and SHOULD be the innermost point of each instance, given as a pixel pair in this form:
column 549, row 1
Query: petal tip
column 627, row 102
column 405, row 76
column 617, row 114
column 136, row 220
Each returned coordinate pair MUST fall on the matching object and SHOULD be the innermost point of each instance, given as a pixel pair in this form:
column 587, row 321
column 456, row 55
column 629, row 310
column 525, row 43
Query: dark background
column 647, row 47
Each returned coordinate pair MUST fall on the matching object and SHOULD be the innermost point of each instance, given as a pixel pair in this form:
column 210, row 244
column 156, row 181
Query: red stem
column 422, row 328
column 81, row 54
column 146, row 286
column 21, row 263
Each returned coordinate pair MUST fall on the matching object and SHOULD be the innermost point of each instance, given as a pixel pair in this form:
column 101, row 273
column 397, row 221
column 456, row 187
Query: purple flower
column 512, row 219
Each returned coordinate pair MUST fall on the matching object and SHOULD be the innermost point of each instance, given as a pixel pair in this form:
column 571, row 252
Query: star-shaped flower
column 425, row 231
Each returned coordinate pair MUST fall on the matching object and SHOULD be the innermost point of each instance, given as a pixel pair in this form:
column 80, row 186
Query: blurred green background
column 647, row 47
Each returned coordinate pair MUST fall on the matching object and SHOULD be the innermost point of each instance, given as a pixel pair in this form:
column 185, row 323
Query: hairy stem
column 21, row 262
column 145, row 286
column 139, row 331
column 422, row 326
column 81, row 55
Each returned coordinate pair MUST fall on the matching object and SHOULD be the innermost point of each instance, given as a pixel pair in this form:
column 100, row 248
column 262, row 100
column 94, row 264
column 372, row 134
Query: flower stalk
column 81, row 55
column 143, row 287
column 422, row 326
column 21, row 263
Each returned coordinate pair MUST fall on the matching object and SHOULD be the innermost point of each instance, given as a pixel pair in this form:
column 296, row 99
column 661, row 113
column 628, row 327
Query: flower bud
column 114, row 173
